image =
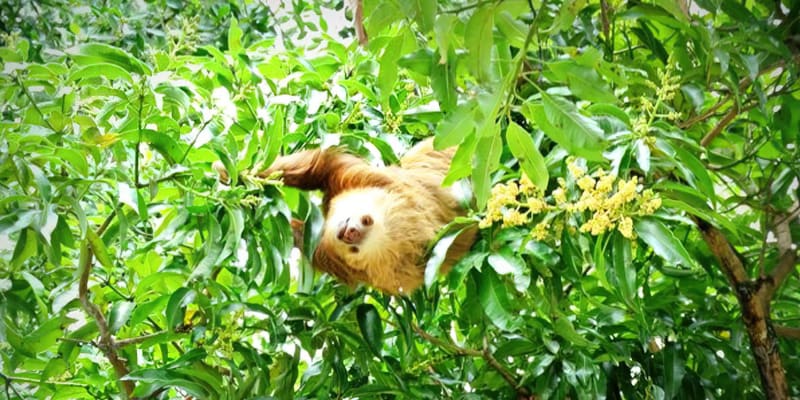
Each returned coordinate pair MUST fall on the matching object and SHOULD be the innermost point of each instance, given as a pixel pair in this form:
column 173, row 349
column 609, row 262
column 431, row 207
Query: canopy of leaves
column 127, row 270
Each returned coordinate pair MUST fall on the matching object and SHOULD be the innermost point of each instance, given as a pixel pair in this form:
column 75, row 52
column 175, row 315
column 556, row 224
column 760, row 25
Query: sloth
column 379, row 221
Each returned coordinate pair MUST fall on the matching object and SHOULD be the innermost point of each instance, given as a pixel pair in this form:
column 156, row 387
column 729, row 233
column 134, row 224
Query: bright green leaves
column 562, row 122
column 524, row 150
column 583, row 81
column 487, row 159
column 479, row 40
column 93, row 54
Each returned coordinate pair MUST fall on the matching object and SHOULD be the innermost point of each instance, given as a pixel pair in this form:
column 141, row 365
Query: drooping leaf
column 479, row 41
column 522, row 147
column 493, row 298
column 664, row 243
column 98, row 53
column 369, row 322
column 487, row 157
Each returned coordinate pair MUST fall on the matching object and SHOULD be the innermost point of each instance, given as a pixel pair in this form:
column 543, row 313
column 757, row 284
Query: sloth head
column 357, row 226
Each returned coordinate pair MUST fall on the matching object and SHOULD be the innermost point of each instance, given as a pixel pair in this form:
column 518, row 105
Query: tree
column 634, row 166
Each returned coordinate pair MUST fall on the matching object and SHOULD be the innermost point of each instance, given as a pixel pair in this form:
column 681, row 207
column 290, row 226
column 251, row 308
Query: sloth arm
column 329, row 170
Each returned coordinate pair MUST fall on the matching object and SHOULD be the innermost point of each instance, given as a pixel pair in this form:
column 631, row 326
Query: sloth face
column 357, row 222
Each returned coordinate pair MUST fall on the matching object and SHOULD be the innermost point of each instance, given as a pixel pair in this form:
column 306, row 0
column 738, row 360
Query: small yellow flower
column 574, row 169
column 625, row 227
column 514, row 218
column 526, row 186
column 535, row 205
column 651, row 206
column 605, row 184
column 586, row 183
column 541, row 231
column 559, row 196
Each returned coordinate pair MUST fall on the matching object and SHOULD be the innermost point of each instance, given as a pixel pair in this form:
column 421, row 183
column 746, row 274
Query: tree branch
column 787, row 332
column 106, row 344
column 787, row 259
column 485, row 353
column 729, row 260
column 358, row 21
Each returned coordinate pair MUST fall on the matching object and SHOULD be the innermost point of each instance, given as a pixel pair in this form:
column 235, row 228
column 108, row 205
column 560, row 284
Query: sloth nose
column 351, row 235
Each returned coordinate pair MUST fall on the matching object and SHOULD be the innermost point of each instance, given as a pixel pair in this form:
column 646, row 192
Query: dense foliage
column 635, row 169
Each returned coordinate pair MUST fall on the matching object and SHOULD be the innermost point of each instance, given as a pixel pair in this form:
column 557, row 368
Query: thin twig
column 468, row 7
column 33, row 102
column 9, row 379
column 139, row 339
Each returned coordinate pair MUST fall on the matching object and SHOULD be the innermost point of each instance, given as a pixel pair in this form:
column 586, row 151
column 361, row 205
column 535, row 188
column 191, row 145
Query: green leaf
column 42, row 183
column 98, row 53
column 695, row 172
column 76, row 160
column 46, row 335
column 164, row 378
column 443, row 83
column 506, row 262
column 583, row 81
column 99, row 250
column 524, row 150
column 624, row 270
column 642, row 151
column 563, row 327
column 479, row 40
column 170, row 149
column 24, row 249
column 437, row 257
column 369, row 322
column 234, row 235
column 493, row 297
column 212, row 249
column 563, row 123
column 424, row 13
column 674, row 371
column 420, row 62
column 664, row 243
column 487, row 157
column 120, row 312
column 387, row 75
column 176, row 306
column 234, row 37
column 443, row 34
column 453, row 129
column 512, row 28
column 47, row 223
column 101, row 70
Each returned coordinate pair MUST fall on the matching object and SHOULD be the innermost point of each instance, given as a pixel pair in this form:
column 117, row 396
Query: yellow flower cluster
column 506, row 206
column 609, row 201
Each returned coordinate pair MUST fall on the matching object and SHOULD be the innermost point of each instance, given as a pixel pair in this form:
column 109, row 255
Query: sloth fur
column 379, row 221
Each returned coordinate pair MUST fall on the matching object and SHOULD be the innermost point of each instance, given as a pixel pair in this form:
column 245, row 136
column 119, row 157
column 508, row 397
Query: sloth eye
column 353, row 249
column 366, row 220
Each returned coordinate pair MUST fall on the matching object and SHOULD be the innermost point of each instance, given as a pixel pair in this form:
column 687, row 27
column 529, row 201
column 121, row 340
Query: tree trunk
column 754, row 298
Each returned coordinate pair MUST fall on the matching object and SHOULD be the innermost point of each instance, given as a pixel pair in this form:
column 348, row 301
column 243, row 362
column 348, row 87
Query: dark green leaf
column 369, row 322
column 664, row 243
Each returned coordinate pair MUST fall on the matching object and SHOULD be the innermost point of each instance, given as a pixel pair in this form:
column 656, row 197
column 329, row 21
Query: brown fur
column 408, row 202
